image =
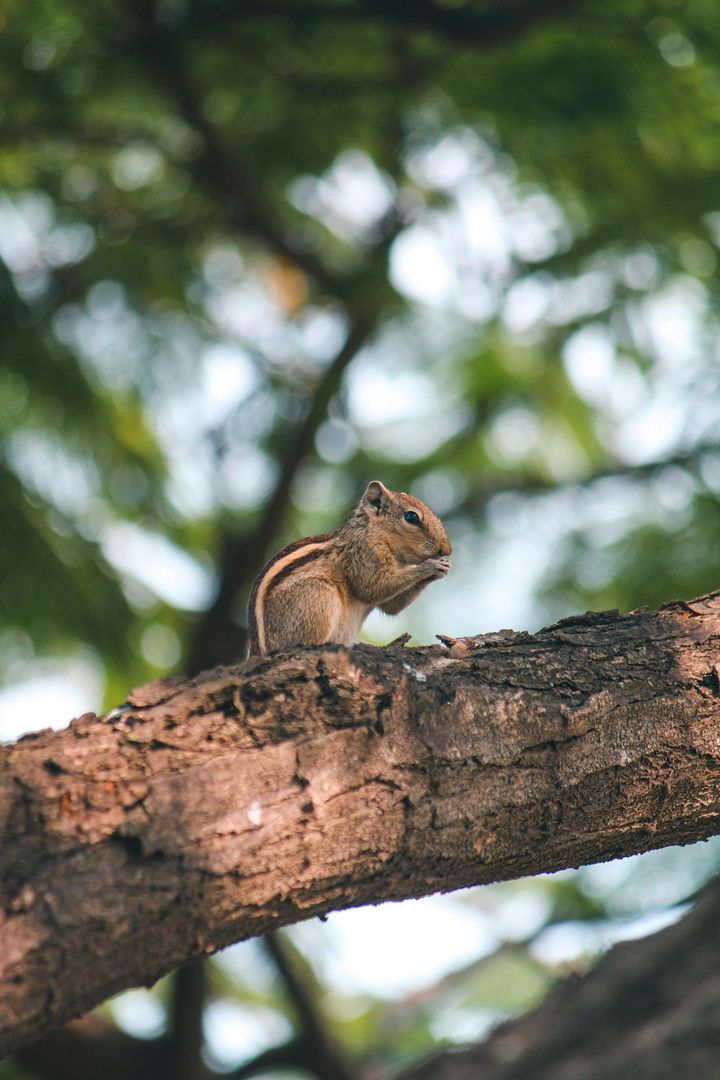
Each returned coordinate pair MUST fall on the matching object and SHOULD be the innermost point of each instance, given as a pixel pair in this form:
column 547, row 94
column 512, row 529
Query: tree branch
column 183, row 1060
column 217, row 638
column 464, row 25
column 208, row 811
column 92, row 1048
column 215, row 167
column 649, row 1009
column 478, row 497
column 315, row 1049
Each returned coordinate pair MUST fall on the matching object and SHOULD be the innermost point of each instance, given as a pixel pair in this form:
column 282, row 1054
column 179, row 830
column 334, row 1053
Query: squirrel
column 321, row 589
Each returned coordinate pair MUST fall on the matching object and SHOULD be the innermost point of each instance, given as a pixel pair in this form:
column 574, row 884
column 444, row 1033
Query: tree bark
column 206, row 811
column 650, row 1009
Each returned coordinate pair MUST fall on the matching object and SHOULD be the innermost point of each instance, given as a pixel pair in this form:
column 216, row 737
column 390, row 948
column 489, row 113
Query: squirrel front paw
column 440, row 566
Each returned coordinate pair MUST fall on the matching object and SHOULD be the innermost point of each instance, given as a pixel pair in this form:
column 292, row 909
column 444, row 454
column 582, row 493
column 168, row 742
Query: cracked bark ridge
column 207, row 811
column 650, row 1009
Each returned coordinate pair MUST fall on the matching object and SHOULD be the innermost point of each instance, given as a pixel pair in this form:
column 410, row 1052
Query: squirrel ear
column 377, row 496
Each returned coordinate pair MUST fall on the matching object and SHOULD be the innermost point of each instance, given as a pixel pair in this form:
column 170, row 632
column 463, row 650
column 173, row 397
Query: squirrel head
column 411, row 528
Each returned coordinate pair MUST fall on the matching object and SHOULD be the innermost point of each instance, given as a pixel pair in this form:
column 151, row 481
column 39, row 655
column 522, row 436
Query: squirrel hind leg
column 302, row 612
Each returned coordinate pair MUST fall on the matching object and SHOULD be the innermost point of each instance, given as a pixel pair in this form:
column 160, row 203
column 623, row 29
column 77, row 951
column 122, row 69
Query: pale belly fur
column 347, row 628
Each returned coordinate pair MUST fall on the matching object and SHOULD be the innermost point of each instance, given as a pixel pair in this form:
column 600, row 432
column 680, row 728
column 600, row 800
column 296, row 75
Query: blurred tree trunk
column 218, row 637
column 208, row 811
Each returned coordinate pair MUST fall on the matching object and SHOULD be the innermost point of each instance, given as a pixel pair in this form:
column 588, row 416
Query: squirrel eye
column 411, row 517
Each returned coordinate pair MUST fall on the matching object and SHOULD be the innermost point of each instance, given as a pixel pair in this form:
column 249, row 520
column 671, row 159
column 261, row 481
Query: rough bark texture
column 207, row 811
column 649, row 1010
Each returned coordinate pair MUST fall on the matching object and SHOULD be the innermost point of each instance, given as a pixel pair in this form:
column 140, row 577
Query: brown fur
column 323, row 587
column 254, row 642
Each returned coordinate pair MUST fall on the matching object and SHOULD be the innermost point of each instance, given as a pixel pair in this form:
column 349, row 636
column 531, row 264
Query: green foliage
column 197, row 201
column 10, row 1071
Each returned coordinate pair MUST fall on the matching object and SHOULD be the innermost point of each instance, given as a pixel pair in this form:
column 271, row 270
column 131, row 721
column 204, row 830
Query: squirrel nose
column 445, row 549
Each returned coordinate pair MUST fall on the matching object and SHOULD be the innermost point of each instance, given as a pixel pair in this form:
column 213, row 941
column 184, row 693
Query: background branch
column 218, row 638
column 460, row 25
column 649, row 1009
column 315, row 1048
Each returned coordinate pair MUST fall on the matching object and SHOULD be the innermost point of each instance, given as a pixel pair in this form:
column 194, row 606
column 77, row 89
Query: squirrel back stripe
column 282, row 564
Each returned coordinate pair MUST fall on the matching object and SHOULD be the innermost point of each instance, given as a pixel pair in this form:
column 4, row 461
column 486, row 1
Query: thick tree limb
column 207, row 811
column 650, row 1009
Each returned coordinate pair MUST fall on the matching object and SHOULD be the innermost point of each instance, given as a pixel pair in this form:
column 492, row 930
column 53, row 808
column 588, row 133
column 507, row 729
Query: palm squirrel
column 323, row 588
